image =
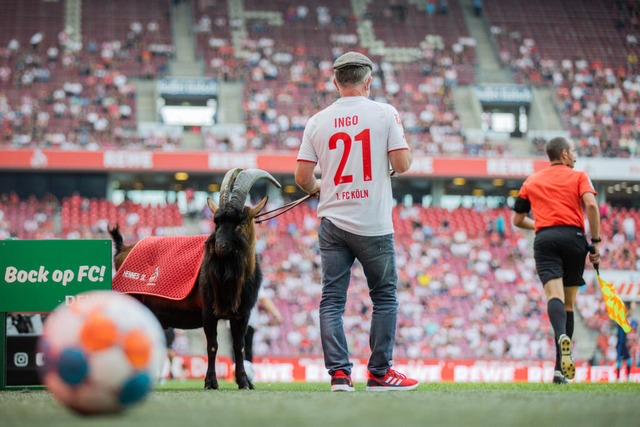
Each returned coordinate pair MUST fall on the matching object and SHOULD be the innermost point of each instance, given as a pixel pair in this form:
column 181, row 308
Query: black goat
column 230, row 274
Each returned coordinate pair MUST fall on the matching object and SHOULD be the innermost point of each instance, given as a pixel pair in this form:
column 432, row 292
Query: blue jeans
column 338, row 250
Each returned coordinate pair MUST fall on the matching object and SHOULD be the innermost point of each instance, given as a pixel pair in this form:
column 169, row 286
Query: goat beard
column 227, row 275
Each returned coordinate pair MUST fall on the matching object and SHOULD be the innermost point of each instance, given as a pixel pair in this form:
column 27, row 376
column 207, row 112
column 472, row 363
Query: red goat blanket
column 167, row 267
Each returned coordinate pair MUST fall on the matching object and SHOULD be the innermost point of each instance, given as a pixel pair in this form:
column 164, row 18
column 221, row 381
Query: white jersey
column 350, row 140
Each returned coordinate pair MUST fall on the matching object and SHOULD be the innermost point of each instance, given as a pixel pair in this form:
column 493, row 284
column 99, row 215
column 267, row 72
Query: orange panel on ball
column 137, row 347
column 98, row 332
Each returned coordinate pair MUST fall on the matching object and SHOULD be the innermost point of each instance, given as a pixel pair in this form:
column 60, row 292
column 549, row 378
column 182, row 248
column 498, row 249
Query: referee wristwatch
column 596, row 240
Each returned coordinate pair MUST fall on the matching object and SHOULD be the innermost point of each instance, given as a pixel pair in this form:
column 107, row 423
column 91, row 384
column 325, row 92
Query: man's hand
column 594, row 253
column 316, row 189
column 306, row 179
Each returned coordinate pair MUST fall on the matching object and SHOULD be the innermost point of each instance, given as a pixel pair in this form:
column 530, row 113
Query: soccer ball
column 102, row 353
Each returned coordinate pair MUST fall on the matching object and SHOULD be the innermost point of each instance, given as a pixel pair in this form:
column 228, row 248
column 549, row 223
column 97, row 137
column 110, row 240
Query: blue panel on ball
column 72, row 366
column 135, row 388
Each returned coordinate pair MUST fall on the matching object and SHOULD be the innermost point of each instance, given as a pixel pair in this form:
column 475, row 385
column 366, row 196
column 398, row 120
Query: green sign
column 38, row 275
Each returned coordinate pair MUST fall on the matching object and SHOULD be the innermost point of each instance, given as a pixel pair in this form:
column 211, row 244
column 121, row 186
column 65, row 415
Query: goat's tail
column 117, row 238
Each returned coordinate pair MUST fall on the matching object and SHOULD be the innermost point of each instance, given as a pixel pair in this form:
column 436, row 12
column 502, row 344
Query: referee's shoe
column 558, row 378
column 566, row 361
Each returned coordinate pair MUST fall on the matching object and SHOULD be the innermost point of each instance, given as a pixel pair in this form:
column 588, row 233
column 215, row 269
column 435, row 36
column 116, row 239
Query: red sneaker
column 391, row 381
column 340, row 381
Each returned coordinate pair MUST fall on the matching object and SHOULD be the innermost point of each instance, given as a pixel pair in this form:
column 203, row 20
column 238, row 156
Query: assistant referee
column 556, row 196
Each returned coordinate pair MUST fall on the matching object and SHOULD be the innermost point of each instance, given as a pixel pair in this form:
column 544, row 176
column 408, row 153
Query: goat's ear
column 257, row 208
column 212, row 205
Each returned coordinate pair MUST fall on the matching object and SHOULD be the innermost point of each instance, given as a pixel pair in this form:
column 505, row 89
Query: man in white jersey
column 355, row 141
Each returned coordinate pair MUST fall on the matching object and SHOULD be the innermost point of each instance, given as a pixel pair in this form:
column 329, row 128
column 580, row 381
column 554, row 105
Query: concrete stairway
column 231, row 103
column 145, row 100
column 184, row 63
column 543, row 114
column 488, row 69
column 73, row 19
column 467, row 107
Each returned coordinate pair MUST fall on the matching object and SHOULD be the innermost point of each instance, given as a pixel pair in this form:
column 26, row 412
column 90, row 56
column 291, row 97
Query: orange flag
column 615, row 307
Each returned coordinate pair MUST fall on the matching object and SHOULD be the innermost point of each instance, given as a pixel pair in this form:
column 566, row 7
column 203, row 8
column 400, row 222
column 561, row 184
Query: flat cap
column 352, row 59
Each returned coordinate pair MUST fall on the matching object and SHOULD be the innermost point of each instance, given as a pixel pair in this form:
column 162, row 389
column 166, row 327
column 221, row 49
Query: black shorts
column 560, row 252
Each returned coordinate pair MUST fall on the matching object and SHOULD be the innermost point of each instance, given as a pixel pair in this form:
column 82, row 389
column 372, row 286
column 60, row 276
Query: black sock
column 558, row 317
column 570, row 324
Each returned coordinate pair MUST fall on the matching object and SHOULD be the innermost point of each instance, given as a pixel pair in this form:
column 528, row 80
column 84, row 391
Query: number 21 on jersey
column 363, row 137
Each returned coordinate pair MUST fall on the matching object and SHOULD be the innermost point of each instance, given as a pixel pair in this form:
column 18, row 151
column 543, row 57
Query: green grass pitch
column 186, row 404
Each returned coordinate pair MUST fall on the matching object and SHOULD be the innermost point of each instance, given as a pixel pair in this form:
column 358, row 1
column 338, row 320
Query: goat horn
column 227, row 185
column 245, row 181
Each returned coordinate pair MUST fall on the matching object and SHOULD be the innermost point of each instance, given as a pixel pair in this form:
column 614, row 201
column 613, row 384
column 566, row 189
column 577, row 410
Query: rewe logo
column 39, row 159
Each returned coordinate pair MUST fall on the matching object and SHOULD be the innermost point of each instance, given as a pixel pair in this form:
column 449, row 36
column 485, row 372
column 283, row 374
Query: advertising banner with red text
column 276, row 162
column 282, row 369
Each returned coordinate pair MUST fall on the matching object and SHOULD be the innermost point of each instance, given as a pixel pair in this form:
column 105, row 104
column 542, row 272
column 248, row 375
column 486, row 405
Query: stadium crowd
column 593, row 69
column 61, row 92
column 468, row 286
column 57, row 91
column 286, row 83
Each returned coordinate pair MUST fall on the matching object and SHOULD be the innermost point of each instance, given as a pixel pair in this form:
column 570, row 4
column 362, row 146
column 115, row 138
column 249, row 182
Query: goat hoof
column 247, row 386
column 211, row 386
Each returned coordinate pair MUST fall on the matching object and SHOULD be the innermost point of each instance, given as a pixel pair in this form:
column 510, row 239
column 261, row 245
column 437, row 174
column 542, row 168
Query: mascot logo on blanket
column 154, row 277
column 178, row 257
